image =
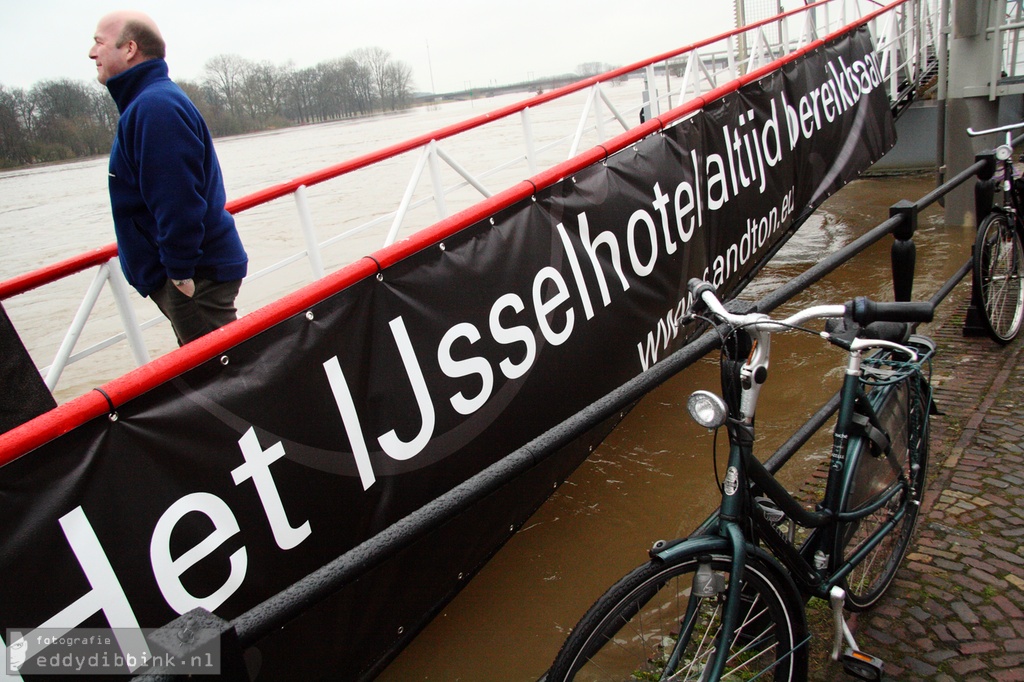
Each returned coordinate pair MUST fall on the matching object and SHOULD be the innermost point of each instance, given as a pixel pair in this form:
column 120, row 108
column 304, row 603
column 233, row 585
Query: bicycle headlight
column 707, row 409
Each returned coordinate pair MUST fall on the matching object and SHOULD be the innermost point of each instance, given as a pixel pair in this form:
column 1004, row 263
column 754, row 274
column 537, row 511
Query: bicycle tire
column 904, row 414
column 629, row 633
column 997, row 277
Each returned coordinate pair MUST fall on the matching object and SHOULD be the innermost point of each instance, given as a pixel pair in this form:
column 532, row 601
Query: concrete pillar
column 967, row 103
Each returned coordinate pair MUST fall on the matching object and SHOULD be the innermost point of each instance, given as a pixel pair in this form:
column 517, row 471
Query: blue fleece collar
column 125, row 86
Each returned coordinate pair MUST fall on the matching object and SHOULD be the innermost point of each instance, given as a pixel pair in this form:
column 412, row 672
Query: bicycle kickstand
column 855, row 662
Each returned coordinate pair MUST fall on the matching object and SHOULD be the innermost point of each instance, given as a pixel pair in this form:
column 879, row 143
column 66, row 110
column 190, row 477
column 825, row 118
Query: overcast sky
column 455, row 43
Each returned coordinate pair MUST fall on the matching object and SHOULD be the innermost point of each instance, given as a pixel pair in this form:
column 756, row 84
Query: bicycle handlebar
column 861, row 310
column 864, row 311
column 1004, row 151
column 1002, row 129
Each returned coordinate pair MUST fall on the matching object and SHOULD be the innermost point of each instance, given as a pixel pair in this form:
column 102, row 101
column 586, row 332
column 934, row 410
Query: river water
column 651, row 479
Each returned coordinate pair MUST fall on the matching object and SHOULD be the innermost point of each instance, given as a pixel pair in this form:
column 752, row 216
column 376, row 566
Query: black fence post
column 984, row 198
column 984, row 188
column 904, row 251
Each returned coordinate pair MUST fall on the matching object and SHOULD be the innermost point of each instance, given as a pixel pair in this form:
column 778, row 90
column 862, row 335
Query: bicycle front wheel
column 904, row 415
column 998, row 267
column 652, row 626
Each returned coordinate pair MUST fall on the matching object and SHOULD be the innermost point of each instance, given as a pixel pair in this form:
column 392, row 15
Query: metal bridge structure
column 980, row 84
column 444, row 187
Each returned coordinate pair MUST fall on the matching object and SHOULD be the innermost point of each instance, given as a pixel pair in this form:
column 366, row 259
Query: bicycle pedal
column 862, row 665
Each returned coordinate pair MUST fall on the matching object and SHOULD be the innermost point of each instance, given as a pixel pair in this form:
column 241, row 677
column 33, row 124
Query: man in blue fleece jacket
column 176, row 243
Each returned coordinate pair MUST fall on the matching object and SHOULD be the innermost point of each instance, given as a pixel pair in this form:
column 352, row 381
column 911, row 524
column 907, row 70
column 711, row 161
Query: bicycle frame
column 739, row 522
column 811, row 579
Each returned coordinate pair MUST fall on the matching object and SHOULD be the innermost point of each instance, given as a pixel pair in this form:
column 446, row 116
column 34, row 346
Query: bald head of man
column 122, row 40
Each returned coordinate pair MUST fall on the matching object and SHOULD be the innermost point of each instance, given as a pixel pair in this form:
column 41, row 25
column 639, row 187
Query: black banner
column 226, row 485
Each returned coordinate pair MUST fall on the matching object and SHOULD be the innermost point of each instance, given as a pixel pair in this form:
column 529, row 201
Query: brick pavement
column 956, row 608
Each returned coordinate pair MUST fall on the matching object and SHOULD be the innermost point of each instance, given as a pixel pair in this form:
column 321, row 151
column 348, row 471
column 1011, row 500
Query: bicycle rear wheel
column 904, row 415
column 650, row 625
column 998, row 268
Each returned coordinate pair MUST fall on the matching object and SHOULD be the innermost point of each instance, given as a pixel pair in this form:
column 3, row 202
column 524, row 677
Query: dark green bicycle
column 728, row 602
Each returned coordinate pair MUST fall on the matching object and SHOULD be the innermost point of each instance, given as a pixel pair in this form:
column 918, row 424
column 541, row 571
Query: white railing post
column 1013, row 43
column 997, row 55
column 653, row 88
column 403, row 206
column 435, row 180
column 892, row 53
column 316, row 262
column 574, row 148
column 668, row 86
column 942, row 28
column 732, row 44
column 122, row 298
column 784, row 47
column 75, row 330
column 531, row 153
column 810, row 30
column 923, row 39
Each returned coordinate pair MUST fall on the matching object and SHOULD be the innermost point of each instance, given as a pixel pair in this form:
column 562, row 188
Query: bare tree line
column 64, row 119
